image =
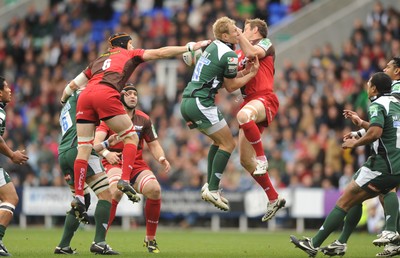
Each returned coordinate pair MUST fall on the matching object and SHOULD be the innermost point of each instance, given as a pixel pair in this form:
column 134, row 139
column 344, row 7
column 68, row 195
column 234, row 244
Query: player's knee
column 242, row 117
column 105, row 195
column 153, row 191
column 150, row 187
column 246, row 115
column 228, row 146
column 117, row 195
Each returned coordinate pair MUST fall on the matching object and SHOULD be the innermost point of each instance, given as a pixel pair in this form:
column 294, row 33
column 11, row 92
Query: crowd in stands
column 41, row 52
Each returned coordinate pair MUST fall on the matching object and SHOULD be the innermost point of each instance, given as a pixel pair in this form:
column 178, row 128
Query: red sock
column 253, row 135
column 266, row 184
column 80, row 168
column 152, row 213
column 113, row 210
column 128, row 159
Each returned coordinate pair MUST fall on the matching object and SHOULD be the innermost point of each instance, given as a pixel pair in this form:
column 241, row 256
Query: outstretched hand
column 353, row 116
column 166, row 165
column 198, row 44
column 19, row 157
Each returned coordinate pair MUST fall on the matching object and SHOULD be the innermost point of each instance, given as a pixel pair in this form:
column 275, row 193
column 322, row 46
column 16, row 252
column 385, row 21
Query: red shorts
column 271, row 105
column 98, row 102
column 139, row 166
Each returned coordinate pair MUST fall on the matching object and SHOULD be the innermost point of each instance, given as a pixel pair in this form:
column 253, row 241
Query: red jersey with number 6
column 114, row 67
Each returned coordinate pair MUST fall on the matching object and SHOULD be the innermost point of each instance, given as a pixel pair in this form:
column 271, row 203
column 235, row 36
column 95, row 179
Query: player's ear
column 396, row 71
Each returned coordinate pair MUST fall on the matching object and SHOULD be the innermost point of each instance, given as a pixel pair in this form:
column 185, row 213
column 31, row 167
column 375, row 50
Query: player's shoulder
column 265, row 43
column 383, row 102
column 142, row 114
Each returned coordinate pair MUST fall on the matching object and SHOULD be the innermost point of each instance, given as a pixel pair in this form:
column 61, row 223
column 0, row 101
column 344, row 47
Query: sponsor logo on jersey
column 138, row 127
column 232, row 60
column 232, row 69
column 396, row 121
column 373, row 111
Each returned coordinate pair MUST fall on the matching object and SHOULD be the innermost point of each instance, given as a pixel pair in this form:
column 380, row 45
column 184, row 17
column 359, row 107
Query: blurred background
column 325, row 52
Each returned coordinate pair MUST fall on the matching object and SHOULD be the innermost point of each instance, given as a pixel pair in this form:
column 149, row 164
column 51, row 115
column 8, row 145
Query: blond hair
column 221, row 26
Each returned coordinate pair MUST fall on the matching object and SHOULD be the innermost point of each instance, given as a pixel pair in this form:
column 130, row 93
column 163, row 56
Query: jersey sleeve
column 396, row 87
column 149, row 132
column 376, row 115
column 137, row 54
column 231, row 68
column 88, row 72
column 265, row 44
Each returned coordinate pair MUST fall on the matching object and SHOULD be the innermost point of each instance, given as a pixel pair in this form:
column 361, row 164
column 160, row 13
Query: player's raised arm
column 171, row 51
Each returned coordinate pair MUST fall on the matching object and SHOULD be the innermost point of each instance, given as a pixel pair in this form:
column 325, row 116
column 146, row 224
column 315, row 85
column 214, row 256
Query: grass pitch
column 39, row 242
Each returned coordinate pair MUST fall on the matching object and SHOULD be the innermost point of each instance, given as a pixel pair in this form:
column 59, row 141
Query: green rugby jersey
column 68, row 124
column 385, row 113
column 2, row 119
column 217, row 61
column 396, row 88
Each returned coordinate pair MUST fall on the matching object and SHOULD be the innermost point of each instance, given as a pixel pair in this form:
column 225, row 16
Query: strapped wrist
column 105, row 153
column 68, row 90
column 105, row 144
column 190, row 46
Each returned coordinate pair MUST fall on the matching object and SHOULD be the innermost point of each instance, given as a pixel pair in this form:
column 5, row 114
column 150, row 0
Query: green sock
column 331, row 222
column 352, row 218
column 71, row 224
column 391, row 207
column 101, row 216
column 2, row 231
column 220, row 160
column 211, row 154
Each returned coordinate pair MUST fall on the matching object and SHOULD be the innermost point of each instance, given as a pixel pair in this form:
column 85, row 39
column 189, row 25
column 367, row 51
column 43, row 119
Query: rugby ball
column 190, row 57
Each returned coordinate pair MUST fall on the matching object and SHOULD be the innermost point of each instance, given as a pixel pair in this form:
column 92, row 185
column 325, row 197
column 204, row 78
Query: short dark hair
column 396, row 61
column 382, row 82
column 2, row 80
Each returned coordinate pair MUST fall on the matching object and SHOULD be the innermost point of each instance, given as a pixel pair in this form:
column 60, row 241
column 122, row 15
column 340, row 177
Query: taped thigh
column 126, row 133
column 146, row 179
column 6, row 206
column 85, row 141
column 99, row 184
column 113, row 174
